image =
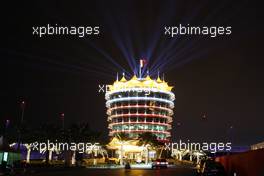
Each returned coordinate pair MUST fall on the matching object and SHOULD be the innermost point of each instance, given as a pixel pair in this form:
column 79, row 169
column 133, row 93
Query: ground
column 120, row 172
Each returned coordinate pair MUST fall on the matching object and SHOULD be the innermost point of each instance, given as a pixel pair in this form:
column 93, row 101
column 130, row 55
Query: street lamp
column 22, row 105
column 62, row 119
column 7, row 122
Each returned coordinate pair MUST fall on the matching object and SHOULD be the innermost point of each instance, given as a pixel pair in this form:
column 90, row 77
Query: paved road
column 120, row 172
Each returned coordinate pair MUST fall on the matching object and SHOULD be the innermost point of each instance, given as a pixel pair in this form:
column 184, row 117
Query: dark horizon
column 220, row 77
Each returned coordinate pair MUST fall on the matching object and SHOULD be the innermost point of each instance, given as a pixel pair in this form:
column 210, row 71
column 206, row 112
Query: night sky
column 220, row 77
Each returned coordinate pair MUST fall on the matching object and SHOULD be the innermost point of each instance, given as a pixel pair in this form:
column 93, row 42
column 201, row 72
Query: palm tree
column 122, row 137
column 28, row 138
column 81, row 133
column 9, row 133
column 147, row 140
column 47, row 132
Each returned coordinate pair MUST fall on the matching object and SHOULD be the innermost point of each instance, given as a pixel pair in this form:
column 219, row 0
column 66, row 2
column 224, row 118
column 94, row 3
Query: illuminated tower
column 140, row 105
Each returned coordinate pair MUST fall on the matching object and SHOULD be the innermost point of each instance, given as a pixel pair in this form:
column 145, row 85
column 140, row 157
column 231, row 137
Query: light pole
column 62, row 120
column 7, row 122
column 22, row 105
column 230, row 133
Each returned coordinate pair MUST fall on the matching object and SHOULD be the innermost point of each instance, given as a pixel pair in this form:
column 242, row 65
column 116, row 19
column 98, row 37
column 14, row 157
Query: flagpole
column 139, row 70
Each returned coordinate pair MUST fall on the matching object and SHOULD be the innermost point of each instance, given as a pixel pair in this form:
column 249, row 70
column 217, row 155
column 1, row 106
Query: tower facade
column 140, row 105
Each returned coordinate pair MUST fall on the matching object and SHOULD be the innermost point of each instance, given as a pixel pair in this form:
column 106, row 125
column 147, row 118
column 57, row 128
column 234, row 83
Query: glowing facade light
column 140, row 105
column 139, row 89
column 139, row 98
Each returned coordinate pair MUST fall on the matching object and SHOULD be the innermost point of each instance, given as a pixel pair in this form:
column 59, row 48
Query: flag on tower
column 143, row 62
